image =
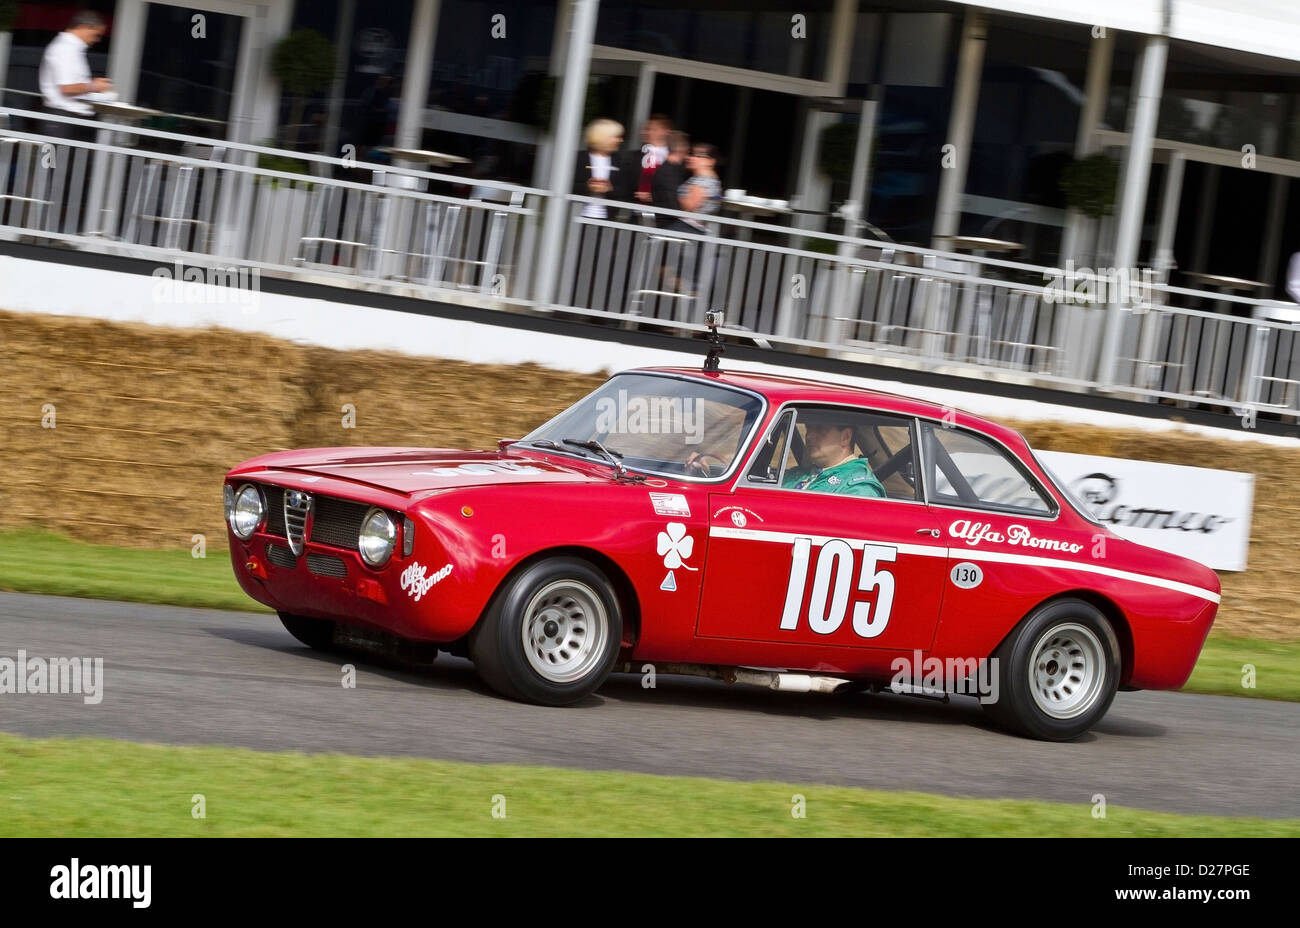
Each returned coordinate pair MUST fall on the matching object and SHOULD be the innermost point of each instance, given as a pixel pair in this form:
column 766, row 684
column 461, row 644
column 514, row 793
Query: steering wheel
column 902, row 464
column 699, row 463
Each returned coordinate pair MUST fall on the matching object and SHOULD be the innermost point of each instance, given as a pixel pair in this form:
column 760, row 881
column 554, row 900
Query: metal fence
column 169, row 197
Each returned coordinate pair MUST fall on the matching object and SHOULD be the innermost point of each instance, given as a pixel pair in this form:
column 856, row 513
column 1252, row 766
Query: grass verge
column 85, row 787
column 73, row 568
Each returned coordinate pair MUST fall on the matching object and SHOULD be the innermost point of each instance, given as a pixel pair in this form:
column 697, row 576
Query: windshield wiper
column 613, row 458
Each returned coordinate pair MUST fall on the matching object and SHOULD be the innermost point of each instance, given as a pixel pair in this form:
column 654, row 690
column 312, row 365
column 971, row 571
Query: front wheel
column 551, row 636
column 1057, row 672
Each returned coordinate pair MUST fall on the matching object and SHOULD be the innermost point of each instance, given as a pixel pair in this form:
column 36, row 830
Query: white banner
column 1199, row 513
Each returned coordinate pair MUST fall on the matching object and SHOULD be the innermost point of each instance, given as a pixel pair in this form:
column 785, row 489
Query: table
column 422, row 156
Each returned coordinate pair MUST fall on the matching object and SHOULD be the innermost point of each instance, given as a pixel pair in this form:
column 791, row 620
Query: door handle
column 932, row 532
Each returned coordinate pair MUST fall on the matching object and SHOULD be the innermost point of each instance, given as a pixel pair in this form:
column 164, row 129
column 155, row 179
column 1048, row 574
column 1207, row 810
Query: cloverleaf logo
column 675, row 546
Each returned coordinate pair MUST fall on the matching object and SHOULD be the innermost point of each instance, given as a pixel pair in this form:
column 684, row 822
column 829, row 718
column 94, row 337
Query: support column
column 1277, row 196
column 415, row 79
column 1133, row 186
column 1170, row 196
column 961, row 124
column 343, row 29
column 1078, row 227
column 5, row 39
column 568, row 127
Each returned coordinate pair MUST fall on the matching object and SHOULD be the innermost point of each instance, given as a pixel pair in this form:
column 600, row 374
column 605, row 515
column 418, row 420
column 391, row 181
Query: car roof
column 782, row 388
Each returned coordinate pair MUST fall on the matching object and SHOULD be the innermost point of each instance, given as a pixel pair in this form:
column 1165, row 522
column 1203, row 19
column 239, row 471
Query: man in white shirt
column 65, row 74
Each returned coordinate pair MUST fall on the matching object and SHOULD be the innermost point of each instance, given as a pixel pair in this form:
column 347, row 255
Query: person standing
column 646, row 161
column 702, row 192
column 670, row 176
column 65, row 75
column 597, row 174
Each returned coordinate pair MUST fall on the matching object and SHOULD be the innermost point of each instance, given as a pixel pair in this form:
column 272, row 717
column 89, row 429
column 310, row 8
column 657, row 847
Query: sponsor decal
column 1018, row 535
column 670, row 504
column 675, row 546
column 966, row 576
column 670, row 583
column 740, row 516
column 416, row 584
column 1099, row 490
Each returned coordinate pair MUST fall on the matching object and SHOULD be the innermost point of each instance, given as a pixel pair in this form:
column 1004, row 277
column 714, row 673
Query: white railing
column 164, row 196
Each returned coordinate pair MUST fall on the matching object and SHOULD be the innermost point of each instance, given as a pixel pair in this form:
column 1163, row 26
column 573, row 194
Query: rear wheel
column 1057, row 672
column 315, row 633
column 551, row 636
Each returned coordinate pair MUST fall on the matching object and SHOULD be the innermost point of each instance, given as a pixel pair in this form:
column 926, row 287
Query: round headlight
column 378, row 536
column 247, row 513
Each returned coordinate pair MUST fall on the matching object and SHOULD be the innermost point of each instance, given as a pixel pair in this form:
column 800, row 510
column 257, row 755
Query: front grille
column 327, row 565
column 338, row 522
column 274, row 510
column 281, row 556
column 297, row 506
column 335, row 522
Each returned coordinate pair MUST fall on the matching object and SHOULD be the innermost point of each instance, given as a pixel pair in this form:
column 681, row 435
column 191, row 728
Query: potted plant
column 303, row 63
column 1089, row 184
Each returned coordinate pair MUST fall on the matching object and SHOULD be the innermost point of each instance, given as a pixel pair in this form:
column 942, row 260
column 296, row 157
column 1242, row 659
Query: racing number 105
column 831, row 580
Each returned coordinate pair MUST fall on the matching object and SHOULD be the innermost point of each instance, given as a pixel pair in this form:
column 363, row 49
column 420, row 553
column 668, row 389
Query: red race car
column 755, row 528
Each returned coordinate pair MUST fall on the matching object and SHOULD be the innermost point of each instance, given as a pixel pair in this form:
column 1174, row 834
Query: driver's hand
column 695, row 461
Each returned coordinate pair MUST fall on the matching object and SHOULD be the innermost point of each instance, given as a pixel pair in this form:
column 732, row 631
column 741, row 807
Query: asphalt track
column 196, row 676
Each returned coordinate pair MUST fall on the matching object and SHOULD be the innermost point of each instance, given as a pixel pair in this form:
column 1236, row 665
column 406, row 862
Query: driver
column 834, row 467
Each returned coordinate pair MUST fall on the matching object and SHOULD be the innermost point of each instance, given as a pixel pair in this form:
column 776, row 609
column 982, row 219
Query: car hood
column 413, row 470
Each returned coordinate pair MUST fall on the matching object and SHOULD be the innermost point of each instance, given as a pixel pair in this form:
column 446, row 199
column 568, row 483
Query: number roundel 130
column 832, row 578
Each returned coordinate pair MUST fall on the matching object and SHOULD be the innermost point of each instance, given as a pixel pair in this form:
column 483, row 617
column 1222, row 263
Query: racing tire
column 551, row 635
column 1057, row 672
column 314, row 633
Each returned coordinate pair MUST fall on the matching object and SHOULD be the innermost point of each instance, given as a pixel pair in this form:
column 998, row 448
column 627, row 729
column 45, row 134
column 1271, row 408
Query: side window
column 766, row 469
column 839, row 450
column 965, row 469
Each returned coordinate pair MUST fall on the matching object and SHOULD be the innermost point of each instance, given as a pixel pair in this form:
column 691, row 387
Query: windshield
column 660, row 424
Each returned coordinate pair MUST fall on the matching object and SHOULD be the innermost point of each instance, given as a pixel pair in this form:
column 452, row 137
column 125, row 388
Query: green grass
column 80, row 787
column 73, row 568
column 1219, row 669
column 43, row 562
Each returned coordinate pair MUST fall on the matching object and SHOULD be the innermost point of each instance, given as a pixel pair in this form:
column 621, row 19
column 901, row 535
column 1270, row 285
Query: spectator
column 597, row 175
column 65, row 75
column 702, row 191
column 670, row 176
column 645, row 162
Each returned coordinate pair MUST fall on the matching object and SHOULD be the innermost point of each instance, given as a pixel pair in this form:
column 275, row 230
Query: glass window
column 725, row 32
column 964, row 469
column 191, row 80
column 771, row 456
column 839, row 450
column 665, row 425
